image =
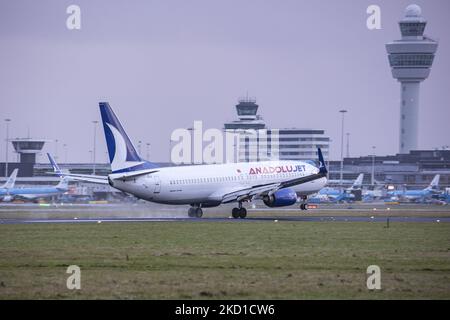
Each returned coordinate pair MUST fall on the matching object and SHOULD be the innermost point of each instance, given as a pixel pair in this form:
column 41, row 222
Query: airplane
column 416, row 195
column 9, row 184
column 379, row 191
column 38, row 192
column 336, row 195
column 277, row 183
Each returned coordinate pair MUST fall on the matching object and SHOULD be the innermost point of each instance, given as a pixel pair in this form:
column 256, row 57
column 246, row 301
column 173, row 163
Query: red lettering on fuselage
column 278, row 169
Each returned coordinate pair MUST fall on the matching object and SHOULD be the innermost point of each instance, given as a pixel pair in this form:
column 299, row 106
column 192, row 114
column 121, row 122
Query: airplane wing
column 268, row 189
column 95, row 178
column 74, row 176
column 131, row 174
column 85, row 177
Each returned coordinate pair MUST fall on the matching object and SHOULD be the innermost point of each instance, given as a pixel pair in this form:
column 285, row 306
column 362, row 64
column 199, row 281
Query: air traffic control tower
column 27, row 148
column 411, row 59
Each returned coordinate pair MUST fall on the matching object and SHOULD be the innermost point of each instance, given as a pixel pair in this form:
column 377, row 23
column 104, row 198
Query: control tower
column 28, row 148
column 248, row 118
column 410, row 59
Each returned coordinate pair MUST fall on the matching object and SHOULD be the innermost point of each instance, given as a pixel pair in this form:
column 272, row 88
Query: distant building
column 417, row 168
column 258, row 143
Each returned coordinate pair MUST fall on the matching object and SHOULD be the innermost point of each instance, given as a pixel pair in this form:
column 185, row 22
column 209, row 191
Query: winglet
column 55, row 166
column 322, row 167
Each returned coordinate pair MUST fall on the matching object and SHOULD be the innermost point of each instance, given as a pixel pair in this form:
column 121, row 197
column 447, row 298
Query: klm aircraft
column 9, row 184
column 277, row 183
column 11, row 194
column 417, row 195
column 336, row 195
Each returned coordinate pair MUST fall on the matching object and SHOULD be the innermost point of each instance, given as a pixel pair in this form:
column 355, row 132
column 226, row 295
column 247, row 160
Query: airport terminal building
column 257, row 142
column 415, row 169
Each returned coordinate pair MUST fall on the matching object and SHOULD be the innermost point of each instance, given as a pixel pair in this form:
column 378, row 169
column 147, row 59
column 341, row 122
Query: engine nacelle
column 7, row 198
column 281, row 198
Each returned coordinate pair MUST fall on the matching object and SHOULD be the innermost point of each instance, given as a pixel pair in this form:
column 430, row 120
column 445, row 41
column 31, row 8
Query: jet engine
column 7, row 198
column 281, row 198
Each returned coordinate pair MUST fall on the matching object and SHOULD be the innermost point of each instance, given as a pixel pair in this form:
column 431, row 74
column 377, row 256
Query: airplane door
column 157, row 184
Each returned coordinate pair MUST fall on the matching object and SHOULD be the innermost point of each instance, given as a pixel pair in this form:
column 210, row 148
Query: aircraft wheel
column 235, row 213
column 191, row 212
column 304, row 206
column 242, row 213
column 198, row 212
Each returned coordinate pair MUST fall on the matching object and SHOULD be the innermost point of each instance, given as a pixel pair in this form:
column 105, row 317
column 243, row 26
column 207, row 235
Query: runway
column 247, row 220
column 147, row 212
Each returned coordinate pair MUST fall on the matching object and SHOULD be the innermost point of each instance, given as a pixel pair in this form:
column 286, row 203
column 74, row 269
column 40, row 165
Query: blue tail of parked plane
column 322, row 167
column 122, row 154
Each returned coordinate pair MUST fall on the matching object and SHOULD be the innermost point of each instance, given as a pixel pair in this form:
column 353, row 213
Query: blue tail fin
column 322, row 167
column 122, row 154
column 55, row 166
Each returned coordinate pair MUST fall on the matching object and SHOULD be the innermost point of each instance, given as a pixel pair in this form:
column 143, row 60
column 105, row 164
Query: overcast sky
column 163, row 64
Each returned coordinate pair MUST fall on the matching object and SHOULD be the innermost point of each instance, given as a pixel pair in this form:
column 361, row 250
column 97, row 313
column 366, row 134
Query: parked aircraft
column 337, row 195
column 416, row 195
column 34, row 193
column 9, row 184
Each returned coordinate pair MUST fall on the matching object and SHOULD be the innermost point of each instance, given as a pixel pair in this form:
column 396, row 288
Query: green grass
column 225, row 260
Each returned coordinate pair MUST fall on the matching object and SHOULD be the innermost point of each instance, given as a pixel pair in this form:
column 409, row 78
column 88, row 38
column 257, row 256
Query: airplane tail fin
column 357, row 184
column 55, row 166
column 122, row 154
column 434, row 185
column 11, row 180
column 63, row 183
column 322, row 168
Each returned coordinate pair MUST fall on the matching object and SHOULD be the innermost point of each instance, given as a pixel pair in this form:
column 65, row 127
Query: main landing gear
column 195, row 212
column 304, row 204
column 240, row 212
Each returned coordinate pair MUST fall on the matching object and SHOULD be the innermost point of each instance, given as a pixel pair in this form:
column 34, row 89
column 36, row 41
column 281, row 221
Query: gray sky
column 163, row 64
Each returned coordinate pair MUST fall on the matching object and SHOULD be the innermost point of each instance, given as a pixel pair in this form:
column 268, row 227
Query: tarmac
column 26, row 213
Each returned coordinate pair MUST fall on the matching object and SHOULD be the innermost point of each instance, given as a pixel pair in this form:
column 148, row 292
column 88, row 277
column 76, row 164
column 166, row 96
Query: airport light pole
column 148, row 150
column 95, row 138
column 373, row 165
column 329, row 155
column 343, row 112
column 56, row 150
column 65, row 152
column 348, row 144
column 6, row 149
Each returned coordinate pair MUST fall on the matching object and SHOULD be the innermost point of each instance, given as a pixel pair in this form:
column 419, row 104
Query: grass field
column 225, row 260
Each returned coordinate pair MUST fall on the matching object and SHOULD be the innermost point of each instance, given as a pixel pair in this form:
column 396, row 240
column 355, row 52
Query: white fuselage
column 207, row 184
